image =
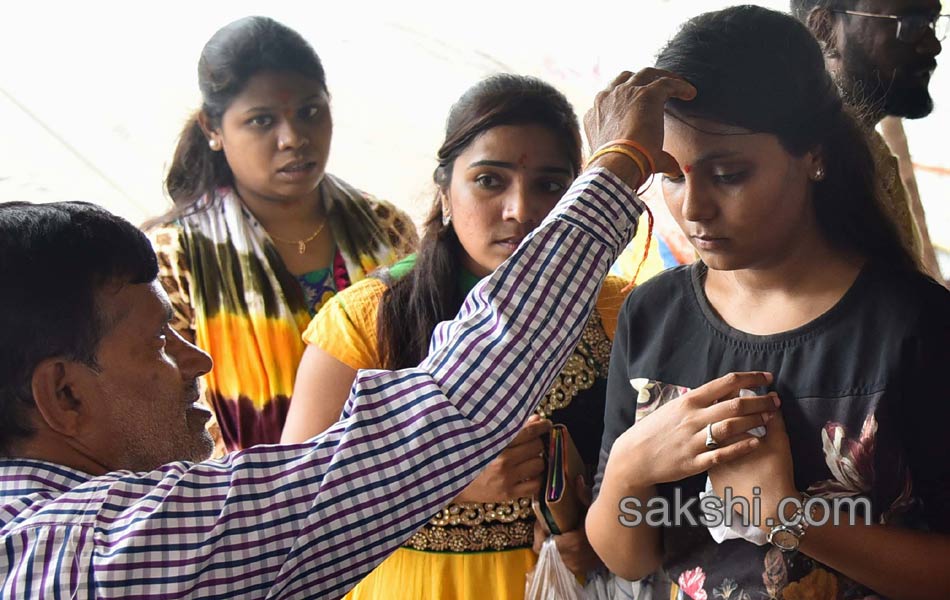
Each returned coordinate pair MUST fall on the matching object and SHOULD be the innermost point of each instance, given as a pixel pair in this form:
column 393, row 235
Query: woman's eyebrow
column 512, row 166
column 714, row 155
column 265, row 107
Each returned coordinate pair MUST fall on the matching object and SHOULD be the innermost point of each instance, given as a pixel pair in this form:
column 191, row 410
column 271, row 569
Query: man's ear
column 822, row 23
column 55, row 386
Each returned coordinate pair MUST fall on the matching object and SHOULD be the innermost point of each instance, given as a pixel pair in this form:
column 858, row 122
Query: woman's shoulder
column 186, row 220
column 168, row 241
column 656, row 298
column 361, row 298
column 345, row 327
column 909, row 293
column 669, row 284
column 164, row 235
column 618, row 296
column 396, row 223
column 385, row 211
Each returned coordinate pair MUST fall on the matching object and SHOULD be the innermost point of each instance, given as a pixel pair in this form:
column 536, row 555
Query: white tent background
column 94, row 94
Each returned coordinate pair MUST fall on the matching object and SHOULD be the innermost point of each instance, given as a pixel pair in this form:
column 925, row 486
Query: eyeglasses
column 911, row 28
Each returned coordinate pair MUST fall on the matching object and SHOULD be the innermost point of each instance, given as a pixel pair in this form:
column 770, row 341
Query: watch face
column 783, row 539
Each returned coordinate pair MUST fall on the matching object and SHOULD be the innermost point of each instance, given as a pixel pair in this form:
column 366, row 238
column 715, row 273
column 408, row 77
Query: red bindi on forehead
column 284, row 96
column 687, row 168
column 523, row 161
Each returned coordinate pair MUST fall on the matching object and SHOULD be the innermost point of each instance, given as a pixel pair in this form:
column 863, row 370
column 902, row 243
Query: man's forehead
column 898, row 7
column 133, row 303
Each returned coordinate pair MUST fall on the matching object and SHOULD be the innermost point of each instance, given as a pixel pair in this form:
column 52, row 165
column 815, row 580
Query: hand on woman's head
column 632, row 108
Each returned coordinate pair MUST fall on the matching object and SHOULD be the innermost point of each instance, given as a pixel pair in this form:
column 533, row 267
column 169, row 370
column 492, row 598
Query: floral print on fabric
column 651, row 395
column 851, row 463
column 691, row 585
column 730, row 590
column 846, row 449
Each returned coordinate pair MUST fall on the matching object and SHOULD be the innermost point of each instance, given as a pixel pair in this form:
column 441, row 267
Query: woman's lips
column 510, row 244
column 297, row 171
column 709, row 243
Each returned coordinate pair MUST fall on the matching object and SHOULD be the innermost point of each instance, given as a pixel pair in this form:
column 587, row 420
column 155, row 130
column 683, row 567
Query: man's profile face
column 878, row 70
column 146, row 383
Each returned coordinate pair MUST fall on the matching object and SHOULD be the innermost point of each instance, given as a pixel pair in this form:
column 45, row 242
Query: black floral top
column 864, row 401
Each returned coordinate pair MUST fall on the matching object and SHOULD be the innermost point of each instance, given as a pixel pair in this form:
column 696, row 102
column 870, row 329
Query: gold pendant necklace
column 301, row 244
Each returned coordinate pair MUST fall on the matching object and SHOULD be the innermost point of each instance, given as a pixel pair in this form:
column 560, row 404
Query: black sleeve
column 621, row 409
column 924, row 420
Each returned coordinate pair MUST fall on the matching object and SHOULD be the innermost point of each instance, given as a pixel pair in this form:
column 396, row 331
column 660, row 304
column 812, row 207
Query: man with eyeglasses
column 883, row 53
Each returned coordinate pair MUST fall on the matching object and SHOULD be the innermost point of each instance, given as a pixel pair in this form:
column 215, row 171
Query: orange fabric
column 251, row 365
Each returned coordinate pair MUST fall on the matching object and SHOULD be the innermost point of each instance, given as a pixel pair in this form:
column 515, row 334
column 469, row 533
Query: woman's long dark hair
column 412, row 306
column 764, row 71
column 233, row 55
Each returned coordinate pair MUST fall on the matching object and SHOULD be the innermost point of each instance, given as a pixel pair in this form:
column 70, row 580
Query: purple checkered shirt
column 310, row 520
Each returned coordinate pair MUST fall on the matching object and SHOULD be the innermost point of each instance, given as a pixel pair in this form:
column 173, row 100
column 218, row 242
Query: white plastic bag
column 607, row 586
column 551, row 579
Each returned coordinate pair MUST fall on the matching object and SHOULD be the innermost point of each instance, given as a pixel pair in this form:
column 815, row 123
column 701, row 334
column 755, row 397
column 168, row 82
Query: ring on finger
column 711, row 442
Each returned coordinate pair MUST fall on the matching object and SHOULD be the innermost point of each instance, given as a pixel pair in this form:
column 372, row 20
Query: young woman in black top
column 802, row 288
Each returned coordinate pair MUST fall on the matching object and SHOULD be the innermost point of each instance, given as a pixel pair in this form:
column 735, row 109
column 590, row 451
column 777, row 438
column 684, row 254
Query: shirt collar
column 21, row 476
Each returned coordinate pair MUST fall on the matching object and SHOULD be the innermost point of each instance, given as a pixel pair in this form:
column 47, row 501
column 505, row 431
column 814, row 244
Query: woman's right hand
column 631, row 107
column 516, row 472
column 670, row 443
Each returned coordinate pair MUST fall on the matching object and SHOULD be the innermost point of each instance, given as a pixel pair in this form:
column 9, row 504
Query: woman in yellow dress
column 511, row 150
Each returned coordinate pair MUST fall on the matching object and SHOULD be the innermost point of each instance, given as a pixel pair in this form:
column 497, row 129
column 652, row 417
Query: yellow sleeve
column 610, row 301
column 345, row 328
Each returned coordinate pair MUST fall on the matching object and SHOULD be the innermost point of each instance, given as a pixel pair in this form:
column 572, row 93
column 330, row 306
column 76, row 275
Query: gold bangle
column 621, row 150
column 636, row 146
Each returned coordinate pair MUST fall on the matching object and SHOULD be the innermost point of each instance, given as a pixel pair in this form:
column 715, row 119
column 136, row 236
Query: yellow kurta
column 346, row 329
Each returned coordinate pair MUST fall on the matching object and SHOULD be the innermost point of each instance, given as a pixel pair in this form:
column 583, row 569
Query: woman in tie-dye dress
column 260, row 235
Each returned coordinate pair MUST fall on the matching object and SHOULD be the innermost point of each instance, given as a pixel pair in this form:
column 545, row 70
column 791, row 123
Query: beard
column 157, row 433
column 899, row 93
column 908, row 97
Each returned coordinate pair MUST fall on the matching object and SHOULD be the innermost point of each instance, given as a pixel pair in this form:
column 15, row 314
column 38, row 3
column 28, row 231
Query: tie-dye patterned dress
column 232, row 294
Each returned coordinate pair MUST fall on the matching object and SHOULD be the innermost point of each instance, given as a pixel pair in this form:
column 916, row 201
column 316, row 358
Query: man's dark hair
column 54, row 259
